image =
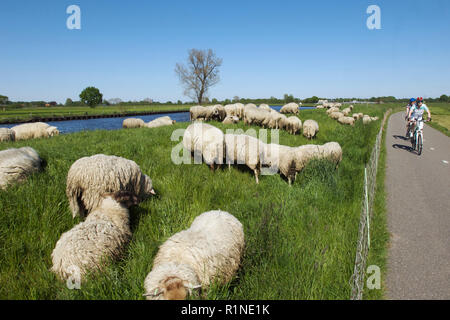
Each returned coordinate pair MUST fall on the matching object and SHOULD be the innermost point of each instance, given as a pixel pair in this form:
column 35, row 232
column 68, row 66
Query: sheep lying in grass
column 367, row 119
column 347, row 120
column 17, row 164
column 7, row 135
column 290, row 108
column 243, row 149
column 209, row 251
column 90, row 177
column 160, row 122
column 293, row 125
column 34, row 130
column 231, row 120
column 205, row 141
column 310, row 128
column 104, row 234
column 133, row 123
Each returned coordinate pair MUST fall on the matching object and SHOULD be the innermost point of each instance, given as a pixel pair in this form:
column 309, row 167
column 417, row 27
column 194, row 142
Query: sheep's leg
column 289, row 180
column 211, row 166
column 256, row 175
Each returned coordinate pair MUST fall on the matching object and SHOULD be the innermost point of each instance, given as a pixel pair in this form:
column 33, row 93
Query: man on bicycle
column 416, row 114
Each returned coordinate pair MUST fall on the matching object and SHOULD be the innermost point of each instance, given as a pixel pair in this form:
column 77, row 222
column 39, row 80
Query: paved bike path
column 418, row 207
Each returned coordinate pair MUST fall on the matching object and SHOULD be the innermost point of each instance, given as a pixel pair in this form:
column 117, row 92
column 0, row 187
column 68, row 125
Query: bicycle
column 417, row 138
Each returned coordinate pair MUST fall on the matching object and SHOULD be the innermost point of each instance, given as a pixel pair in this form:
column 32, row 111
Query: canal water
column 115, row 123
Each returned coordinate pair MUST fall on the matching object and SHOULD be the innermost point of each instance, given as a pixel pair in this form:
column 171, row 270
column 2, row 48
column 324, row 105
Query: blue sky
column 129, row 49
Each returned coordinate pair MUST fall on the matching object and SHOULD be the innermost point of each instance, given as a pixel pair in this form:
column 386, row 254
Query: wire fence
column 370, row 181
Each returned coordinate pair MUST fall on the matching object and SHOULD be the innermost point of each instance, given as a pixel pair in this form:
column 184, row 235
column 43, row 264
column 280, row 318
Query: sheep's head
column 171, row 288
column 148, row 188
column 52, row 131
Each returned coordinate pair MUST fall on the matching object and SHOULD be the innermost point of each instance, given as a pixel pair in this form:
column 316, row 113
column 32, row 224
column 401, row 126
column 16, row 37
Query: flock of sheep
column 101, row 189
column 343, row 117
column 263, row 116
column 215, row 148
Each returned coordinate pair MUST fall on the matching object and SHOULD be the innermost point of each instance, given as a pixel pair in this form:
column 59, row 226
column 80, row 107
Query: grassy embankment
column 440, row 113
column 300, row 240
column 25, row 114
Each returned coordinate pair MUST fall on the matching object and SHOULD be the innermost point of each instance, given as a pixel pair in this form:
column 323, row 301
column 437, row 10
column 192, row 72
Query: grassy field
column 440, row 113
column 24, row 114
column 300, row 240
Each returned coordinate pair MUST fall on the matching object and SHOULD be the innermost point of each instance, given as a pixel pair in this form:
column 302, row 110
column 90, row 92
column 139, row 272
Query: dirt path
column 418, row 205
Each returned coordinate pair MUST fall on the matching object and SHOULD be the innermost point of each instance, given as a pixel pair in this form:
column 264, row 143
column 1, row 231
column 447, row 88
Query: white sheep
column 336, row 115
column 133, row 123
column 160, row 122
column 279, row 158
column 204, row 140
column 265, row 107
column 17, row 164
column 277, row 120
column 346, row 111
column 256, row 116
column 290, row 108
column 243, row 149
column 367, row 119
column 231, row 120
column 90, row 177
column 34, row 130
column 332, row 109
column 209, row 251
column 294, row 125
column 310, row 128
column 216, row 112
column 347, row 120
column 7, row 135
column 103, row 235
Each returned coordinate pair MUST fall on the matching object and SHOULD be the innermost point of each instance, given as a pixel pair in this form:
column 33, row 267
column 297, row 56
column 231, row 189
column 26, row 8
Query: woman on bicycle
column 412, row 102
column 416, row 114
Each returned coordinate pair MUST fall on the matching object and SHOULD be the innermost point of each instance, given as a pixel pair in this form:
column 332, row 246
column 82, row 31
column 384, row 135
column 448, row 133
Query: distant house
column 51, row 104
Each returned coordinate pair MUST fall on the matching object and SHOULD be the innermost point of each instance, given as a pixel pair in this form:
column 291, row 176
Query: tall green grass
column 300, row 239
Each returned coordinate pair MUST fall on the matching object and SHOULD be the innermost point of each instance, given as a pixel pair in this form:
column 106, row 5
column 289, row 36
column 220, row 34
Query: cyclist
column 412, row 102
column 416, row 114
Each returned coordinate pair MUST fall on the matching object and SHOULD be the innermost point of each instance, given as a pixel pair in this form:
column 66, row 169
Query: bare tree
column 201, row 73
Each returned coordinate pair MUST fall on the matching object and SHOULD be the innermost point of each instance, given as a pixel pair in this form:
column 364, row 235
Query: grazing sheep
column 7, row 135
column 265, row 107
column 357, row 116
column 336, row 115
column 231, row 120
column 277, row 120
column 34, row 130
column 206, row 141
column 243, row 149
column 310, row 128
column 290, row 108
column 231, row 110
column 90, row 177
column 133, row 123
column 250, row 105
column 104, row 234
column 256, row 116
column 17, row 164
column 332, row 151
column 294, row 125
column 367, row 119
column 279, row 158
column 346, row 111
column 347, row 120
column 160, row 122
column 209, row 251
column 320, row 106
column 331, row 110
column 216, row 112
column 351, row 107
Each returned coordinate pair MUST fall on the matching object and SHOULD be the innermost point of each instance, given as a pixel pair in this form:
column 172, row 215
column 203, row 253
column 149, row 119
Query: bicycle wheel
column 419, row 144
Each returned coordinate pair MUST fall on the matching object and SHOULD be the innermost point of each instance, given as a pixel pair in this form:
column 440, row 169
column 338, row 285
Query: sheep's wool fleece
column 17, row 164
column 205, row 139
column 160, row 122
column 310, row 128
column 289, row 108
column 86, row 246
column 90, row 177
column 34, row 130
column 133, row 123
column 210, row 250
column 7, row 134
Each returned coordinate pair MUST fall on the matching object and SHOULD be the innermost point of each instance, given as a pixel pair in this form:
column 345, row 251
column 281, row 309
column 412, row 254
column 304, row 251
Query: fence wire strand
column 370, row 180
